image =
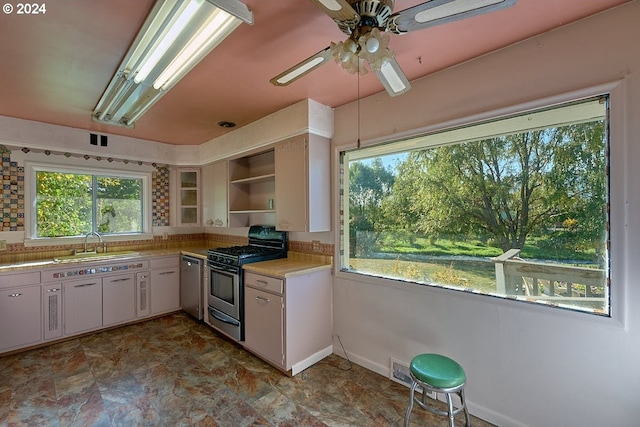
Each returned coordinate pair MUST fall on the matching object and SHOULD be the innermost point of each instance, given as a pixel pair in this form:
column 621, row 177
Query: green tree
column 369, row 185
column 507, row 187
column 63, row 204
column 119, row 206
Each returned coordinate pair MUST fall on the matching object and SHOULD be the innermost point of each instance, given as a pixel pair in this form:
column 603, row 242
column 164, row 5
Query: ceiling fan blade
column 340, row 11
column 436, row 12
column 392, row 78
column 302, row 68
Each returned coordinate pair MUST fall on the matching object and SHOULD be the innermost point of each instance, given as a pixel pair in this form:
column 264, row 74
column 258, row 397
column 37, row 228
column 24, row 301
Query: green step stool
column 439, row 374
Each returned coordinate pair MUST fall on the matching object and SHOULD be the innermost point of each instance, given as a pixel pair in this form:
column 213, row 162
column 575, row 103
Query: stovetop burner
column 243, row 251
column 265, row 243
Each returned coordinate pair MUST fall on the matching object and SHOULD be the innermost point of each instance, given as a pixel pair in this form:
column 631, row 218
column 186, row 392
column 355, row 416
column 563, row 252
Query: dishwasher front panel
column 191, row 270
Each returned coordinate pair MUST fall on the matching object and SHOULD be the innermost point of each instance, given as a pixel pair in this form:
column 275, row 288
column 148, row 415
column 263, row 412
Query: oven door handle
column 230, row 322
column 223, row 268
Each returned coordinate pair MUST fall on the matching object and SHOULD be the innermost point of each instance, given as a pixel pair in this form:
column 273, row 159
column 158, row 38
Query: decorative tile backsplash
column 160, row 196
column 12, row 194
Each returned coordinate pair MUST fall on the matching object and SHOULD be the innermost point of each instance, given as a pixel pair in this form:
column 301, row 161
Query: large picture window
column 72, row 203
column 515, row 207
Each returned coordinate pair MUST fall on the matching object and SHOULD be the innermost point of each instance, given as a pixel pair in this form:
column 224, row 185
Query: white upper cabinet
column 303, row 184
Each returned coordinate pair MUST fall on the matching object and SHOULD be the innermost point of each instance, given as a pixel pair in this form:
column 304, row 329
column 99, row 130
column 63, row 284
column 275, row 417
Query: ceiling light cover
column 176, row 36
column 370, row 52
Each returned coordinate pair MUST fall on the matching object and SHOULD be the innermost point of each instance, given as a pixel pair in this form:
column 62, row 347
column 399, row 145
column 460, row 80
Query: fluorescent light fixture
column 176, row 36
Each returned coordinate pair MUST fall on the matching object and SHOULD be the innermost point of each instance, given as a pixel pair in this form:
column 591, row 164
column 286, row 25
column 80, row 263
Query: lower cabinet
column 71, row 299
column 165, row 284
column 20, row 316
column 288, row 322
column 118, row 299
column 264, row 324
column 82, row 305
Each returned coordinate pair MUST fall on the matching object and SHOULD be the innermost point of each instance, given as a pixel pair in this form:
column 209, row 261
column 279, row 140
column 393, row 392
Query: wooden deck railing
column 542, row 281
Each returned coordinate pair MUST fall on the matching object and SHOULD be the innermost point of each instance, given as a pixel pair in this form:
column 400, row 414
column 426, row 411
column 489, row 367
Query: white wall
column 526, row 365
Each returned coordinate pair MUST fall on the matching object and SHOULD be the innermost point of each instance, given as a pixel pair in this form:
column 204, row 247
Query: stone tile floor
column 174, row 371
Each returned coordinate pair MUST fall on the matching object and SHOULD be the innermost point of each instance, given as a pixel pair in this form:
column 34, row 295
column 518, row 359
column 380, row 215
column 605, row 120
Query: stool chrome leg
column 410, row 408
column 466, row 410
column 450, row 408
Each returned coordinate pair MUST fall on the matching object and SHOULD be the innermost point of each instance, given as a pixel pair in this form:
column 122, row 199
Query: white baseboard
column 314, row 358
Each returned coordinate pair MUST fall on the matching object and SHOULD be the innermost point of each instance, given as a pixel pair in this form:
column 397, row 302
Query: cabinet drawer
column 164, row 262
column 266, row 283
column 19, row 279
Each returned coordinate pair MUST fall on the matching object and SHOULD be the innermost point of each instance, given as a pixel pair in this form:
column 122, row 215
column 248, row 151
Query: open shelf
column 251, row 187
column 254, row 179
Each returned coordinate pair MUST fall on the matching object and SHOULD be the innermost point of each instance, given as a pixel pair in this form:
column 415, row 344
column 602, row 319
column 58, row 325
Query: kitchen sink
column 93, row 256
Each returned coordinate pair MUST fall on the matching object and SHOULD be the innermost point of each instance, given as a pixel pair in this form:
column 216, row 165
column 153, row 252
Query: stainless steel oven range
column 225, row 293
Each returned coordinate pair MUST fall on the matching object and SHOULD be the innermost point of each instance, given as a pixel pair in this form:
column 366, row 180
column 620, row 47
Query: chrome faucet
column 95, row 233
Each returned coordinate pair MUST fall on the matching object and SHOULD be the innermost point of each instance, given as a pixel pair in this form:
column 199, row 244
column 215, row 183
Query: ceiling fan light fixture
column 347, row 56
column 377, row 57
column 174, row 38
column 372, row 45
column 369, row 23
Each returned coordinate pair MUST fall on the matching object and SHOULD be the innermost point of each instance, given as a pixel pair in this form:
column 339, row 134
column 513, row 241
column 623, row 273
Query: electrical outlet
column 315, row 245
column 3, row 245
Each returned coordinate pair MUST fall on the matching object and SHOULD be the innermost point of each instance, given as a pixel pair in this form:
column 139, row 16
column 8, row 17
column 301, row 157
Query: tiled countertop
column 195, row 252
column 295, row 264
column 109, row 257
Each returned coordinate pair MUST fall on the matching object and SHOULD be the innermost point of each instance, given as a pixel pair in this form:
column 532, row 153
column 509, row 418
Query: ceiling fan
column 368, row 23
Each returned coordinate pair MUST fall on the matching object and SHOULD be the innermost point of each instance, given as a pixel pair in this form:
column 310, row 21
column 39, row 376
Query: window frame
column 617, row 199
column 33, row 167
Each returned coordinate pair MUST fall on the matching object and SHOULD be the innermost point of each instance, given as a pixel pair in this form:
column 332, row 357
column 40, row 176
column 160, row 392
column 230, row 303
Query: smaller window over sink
column 71, row 202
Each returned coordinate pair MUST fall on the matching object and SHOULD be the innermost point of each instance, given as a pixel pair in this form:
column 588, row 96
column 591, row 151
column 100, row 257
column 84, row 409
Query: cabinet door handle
column 53, row 290
column 17, row 294
column 142, row 277
column 120, row 280
column 83, row 285
column 166, row 272
column 262, row 282
column 263, row 299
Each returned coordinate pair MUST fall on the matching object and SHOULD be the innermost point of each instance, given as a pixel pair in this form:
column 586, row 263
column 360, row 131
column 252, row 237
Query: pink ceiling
column 54, row 67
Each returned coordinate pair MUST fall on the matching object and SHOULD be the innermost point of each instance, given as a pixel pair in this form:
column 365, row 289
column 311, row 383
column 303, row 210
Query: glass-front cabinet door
column 189, row 196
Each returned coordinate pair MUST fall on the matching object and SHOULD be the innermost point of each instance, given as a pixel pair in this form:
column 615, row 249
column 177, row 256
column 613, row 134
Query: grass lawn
column 533, row 249
column 464, row 264
column 476, row 275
